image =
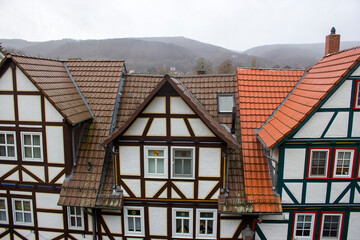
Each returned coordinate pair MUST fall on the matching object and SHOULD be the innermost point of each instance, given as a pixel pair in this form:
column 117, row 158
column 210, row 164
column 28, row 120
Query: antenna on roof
column 333, row 30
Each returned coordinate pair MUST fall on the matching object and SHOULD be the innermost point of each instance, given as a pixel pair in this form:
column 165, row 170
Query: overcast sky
column 233, row 24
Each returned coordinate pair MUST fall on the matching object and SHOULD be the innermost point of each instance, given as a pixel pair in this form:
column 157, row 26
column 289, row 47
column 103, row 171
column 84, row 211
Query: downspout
column 227, row 170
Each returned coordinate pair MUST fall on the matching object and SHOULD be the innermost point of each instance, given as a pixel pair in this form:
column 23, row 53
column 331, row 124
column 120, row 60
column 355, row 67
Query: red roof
column 260, row 93
column 319, row 81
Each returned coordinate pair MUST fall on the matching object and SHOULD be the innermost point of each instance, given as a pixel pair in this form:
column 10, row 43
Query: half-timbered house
column 312, row 141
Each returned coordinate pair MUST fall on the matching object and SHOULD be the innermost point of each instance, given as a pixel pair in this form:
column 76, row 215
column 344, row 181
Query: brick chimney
column 332, row 43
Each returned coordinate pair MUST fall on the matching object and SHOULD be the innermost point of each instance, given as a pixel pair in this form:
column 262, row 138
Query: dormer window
column 225, row 103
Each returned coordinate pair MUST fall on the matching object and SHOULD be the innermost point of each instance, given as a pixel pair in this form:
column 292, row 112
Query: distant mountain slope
column 142, row 54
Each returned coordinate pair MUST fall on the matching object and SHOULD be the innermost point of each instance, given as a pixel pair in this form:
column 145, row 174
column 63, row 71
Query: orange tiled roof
column 319, row 81
column 99, row 82
column 51, row 78
column 260, row 92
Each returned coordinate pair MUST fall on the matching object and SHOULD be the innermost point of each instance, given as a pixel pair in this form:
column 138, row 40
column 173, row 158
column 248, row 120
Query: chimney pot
column 332, row 42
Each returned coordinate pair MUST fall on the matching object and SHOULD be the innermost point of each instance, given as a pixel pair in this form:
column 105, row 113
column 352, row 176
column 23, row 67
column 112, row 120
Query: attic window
column 225, row 103
column 357, row 96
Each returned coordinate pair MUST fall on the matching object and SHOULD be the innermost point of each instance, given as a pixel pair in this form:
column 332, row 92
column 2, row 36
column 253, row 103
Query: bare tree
column 227, row 67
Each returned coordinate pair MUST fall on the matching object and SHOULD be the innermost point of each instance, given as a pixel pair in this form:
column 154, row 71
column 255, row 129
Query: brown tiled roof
column 319, row 81
column 51, row 78
column 189, row 99
column 99, row 82
column 260, row 92
column 205, row 89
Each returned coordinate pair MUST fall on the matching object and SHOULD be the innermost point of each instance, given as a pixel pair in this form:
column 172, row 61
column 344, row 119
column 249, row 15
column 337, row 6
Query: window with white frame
column 75, row 217
column 304, row 225
column 331, row 224
column 357, row 97
column 183, row 162
column 32, row 146
column 3, row 211
column 319, row 159
column 343, row 164
column 225, row 103
column 182, row 225
column 206, row 220
column 7, row 146
column 22, row 211
column 156, row 161
column 134, row 221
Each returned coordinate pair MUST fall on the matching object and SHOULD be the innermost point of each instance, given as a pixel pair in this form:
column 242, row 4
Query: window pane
column 37, row 152
column 78, row 211
column 182, row 153
column 18, row 217
column 182, row 214
column 78, row 222
column 226, row 103
column 72, row 210
column 28, row 152
column 202, row 226
column 36, row 140
column 18, row 205
column 131, row 224
column 2, row 204
column 72, row 222
column 160, row 166
column 27, row 139
column 187, row 166
column 210, row 227
column 156, row 153
column 27, row 217
column 206, row 215
column 137, row 225
column 2, row 138
column 26, row 206
column 3, row 216
column 151, row 165
column 178, row 226
column 11, row 151
column 178, row 166
column 186, row 226
column 2, row 151
column 10, row 138
column 134, row 212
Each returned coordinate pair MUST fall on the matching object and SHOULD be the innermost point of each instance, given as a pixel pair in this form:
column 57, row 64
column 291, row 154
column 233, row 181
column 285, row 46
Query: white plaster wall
column 113, row 223
column 341, row 98
column 174, row 194
column 53, row 172
column 356, row 72
column 129, row 160
column 37, row 171
column 152, row 187
column 134, row 185
column 205, row 188
column 336, row 189
column 199, row 128
column 339, row 126
column 7, row 111
column 51, row 114
column 178, row 127
column 6, row 81
column 157, row 105
column 50, row 220
column 228, row 227
column 49, row 235
column 6, row 168
column 13, row 177
column 354, row 229
column 55, row 144
column 273, row 231
column 158, row 221
column 158, row 127
column 137, row 128
column 294, row 163
column 357, row 196
column 30, row 235
column 356, row 125
column 82, row 237
column 295, row 189
column 316, row 192
column 315, row 126
column 23, row 83
column 278, row 217
column 29, row 108
column 47, row 201
column 179, row 106
column 209, row 162
column 187, row 188
column 285, row 197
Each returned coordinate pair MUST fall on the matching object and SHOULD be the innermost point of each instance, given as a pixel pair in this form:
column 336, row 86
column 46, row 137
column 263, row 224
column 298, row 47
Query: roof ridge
column 278, row 69
column 9, row 55
column 94, row 60
column 342, row 51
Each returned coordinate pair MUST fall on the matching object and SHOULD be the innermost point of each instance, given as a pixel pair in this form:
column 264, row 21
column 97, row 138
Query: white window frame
column 146, row 157
column 326, row 164
column 214, row 219
column 313, row 216
column 75, row 216
column 339, row 229
column 5, row 210
column 190, row 218
column 6, row 145
column 126, row 223
column 357, row 95
column 352, row 151
column 225, row 95
column 192, row 176
column 23, row 146
column 22, row 211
